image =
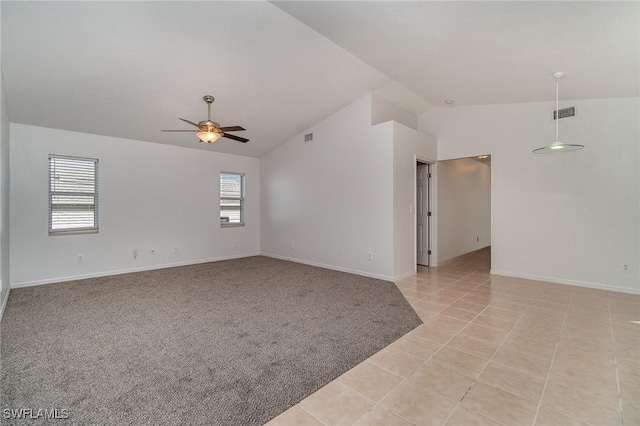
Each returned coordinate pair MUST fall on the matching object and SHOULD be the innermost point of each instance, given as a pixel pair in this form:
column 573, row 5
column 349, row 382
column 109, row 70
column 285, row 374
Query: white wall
column 570, row 218
column 383, row 110
column 332, row 197
column 4, row 201
column 4, row 195
column 464, row 207
column 150, row 196
column 346, row 194
column 408, row 145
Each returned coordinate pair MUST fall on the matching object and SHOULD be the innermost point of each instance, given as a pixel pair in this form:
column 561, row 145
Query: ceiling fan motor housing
column 209, row 126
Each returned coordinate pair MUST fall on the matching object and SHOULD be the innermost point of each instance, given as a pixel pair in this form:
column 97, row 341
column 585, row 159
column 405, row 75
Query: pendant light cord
column 557, row 114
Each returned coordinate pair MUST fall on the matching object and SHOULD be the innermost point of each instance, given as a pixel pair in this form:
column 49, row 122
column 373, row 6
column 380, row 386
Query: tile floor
column 493, row 351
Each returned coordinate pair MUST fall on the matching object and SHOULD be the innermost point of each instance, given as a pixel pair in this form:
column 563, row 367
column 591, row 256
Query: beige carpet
column 225, row 343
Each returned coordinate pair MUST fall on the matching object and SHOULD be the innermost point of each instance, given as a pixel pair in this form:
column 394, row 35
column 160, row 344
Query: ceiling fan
column 210, row 131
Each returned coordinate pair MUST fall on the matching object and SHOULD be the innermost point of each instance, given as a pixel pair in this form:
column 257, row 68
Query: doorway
column 464, row 206
column 423, row 213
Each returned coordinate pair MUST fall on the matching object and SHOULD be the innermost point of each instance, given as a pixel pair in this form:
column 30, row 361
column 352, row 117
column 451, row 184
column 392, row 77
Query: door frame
column 433, row 236
column 423, row 214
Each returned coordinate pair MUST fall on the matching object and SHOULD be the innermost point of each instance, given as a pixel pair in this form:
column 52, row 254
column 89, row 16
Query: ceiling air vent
column 564, row 113
column 308, row 137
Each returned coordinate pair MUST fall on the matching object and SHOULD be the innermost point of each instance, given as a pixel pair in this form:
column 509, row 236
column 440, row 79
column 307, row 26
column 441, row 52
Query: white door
column 422, row 214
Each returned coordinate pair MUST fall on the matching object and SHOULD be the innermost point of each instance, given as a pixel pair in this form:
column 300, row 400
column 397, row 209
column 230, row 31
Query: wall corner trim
column 404, row 275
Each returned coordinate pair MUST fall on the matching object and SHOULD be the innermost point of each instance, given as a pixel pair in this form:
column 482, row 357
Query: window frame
column 77, row 230
column 241, row 199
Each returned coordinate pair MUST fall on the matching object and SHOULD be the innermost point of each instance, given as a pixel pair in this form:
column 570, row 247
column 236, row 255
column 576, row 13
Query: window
column 231, row 199
column 73, row 194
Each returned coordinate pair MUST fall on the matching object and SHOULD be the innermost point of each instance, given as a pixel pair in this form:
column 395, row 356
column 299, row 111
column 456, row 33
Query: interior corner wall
column 4, row 200
column 383, row 110
column 464, row 207
column 151, row 196
column 409, row 145
column 329, row 202
column 569, row 218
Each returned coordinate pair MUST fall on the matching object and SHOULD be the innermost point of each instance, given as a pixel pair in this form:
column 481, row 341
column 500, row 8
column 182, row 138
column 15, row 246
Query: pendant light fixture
column 557, row 145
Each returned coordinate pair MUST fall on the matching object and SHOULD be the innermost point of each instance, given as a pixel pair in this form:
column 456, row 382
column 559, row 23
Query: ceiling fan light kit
column 557, row 145
column 210, row 131
column 208, row 137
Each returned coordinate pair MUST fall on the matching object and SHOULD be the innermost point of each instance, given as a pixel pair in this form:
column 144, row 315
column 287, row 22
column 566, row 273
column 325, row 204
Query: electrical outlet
column 477, row 238
column 626, row 268
column 369, row 256
column 293, row 245
column 175, row 250
column 153, row 251
column 80, row 258
column 135, row 253
column 237, row 243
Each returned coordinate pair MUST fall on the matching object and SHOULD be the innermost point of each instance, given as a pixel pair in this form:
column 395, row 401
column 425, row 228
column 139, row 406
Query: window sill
column 73, row 232
column 231, row 225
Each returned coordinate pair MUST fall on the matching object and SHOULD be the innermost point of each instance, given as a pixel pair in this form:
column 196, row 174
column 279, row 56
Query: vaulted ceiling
column 481, row 52
column 129, row 69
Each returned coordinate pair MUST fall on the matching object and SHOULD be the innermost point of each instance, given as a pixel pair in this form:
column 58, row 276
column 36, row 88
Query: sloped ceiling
column 129, row 69
column 483, row 52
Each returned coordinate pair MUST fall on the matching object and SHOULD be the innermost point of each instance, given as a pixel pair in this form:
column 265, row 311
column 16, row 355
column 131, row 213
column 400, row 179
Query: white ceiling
column 129, row 69
column 483, row 52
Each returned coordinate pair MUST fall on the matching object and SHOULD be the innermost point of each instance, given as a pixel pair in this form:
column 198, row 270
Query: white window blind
column 231, row 199
column 73, row 194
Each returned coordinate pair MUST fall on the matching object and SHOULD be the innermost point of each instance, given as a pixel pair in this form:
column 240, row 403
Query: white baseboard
column 332, row 267
column 566, row 282
column 3, row 302
column 128, row 271
column 405, row 275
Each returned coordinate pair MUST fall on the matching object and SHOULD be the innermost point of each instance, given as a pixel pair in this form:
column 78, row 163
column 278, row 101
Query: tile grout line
column 405, row 379
column 517, row 350
column 499, row 346
column 528, row 306
column 488, row 362
column 553, row 358
column 615, row 361
column 308, row 412
column 377, row 403
column 447, row 306
column 424, row 362
column 454, row 336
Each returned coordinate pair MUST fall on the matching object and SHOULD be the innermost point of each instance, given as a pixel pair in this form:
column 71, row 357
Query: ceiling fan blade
column 235, row 138
column 190, row 122
column 179, row 131
column 232, row 128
